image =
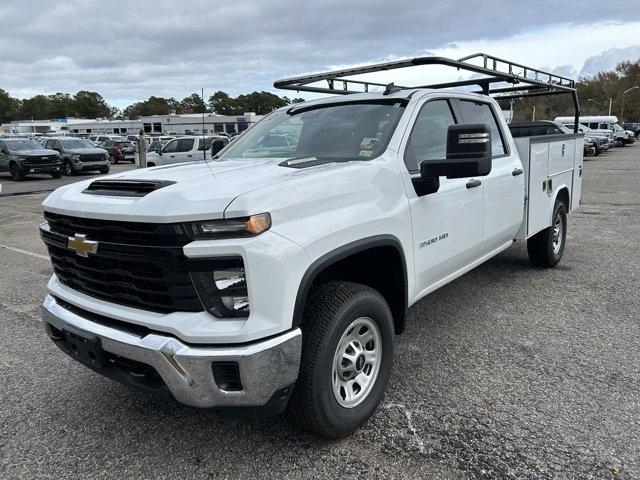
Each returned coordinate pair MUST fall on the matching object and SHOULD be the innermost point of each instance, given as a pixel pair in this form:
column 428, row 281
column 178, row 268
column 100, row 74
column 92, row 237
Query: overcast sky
column 129, row 50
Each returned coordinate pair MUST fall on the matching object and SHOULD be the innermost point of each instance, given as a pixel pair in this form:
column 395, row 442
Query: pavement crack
column 410, row 426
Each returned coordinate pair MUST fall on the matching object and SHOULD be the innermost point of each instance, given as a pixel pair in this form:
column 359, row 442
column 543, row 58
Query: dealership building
column 170, row 124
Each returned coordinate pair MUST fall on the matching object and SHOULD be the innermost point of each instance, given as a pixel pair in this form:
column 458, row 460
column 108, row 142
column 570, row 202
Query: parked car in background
column 632, row 127
column 606, row 134
column 603, row 122
column 119, row 150
column 79, row 155
column 548, row 127
column 624, row 136
column 103, row 138
column 184, row 149
column 23, row 156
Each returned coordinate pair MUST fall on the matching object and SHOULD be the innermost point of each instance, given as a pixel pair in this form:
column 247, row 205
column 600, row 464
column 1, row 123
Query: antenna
column 204, row 139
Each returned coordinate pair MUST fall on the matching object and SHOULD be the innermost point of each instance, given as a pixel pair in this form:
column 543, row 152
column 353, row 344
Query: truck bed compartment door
column 576, row 191
column 539, row 201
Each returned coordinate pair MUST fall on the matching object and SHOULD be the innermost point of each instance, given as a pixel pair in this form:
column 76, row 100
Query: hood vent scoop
column 125, row 188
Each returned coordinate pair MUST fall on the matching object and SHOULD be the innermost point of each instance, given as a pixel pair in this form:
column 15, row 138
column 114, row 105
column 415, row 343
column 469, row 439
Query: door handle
column 190, row 156
column 517, row 171
column 172, row 156
column 474, row 183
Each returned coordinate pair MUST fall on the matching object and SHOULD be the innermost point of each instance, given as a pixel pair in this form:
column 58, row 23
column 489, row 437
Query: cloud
column 130, row 50
column 609, row 59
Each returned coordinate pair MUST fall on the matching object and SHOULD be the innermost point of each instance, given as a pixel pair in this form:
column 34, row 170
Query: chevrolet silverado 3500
column 277, row 274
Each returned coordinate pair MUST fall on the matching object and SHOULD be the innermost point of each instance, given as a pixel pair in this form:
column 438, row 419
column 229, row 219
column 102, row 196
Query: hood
column 35, row 152
column 200, row 190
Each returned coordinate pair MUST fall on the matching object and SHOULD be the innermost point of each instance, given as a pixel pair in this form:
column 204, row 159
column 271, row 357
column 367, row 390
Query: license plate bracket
column 84, row 346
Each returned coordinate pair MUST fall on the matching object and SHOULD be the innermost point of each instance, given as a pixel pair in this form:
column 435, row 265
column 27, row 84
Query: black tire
column 68, row 168
column 113, row 160
column 56, row 174
column 542, row 248
column 151, row 164
column 104, row 170
column 330, row 310
column 16, row 174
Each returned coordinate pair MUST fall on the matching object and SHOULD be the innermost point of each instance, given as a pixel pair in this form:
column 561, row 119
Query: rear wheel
column 16, row 174
column 347, row 353
column 151, row 164
column 113, row 160
column 546, row 247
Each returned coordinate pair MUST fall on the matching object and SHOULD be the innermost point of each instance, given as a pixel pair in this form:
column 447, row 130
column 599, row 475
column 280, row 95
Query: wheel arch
column 352, row 262
column 562, row 194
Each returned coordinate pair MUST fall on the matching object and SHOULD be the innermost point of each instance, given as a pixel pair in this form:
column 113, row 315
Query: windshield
column 23, row 145
column 77, row 143
column 350, row 131
column 564, row 128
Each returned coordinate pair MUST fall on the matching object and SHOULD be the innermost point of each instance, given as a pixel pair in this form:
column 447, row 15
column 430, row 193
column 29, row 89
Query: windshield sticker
column 366, row 146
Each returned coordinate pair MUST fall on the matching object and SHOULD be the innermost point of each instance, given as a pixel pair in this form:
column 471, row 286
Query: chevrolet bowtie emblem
column 81, row 245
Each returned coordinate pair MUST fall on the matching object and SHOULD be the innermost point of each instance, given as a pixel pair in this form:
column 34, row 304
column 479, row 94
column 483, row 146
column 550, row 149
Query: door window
column 428, row 140
column 480, row 112
column 185, row 145
column 171, row 147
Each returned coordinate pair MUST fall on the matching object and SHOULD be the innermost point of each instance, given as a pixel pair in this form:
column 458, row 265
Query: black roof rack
column 526, row 81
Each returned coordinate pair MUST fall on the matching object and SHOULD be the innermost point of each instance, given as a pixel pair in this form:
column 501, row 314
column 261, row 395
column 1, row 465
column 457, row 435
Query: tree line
column 594, row 93
column 85, row 104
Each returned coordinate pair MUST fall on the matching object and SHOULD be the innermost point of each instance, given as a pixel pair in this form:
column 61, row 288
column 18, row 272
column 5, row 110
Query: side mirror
column 2, row 150
column 468, row 153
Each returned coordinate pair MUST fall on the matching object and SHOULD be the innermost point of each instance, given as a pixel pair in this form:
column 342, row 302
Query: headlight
column 230, row 228
column 223, row 289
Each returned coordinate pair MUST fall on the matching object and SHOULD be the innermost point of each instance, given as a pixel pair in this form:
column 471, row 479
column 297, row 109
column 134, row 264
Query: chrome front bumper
column 266, row 367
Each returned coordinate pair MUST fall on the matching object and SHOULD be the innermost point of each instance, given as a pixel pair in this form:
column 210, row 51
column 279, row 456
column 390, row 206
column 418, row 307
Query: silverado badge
column 81, row 245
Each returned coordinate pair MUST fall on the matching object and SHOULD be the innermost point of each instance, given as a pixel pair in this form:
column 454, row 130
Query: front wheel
column 546, row 247
column 56, row 174
column 347, row 353
column 68, row 169
column 16, row 174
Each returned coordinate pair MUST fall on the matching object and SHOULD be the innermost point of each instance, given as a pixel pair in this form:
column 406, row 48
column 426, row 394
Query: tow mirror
column 468, row 153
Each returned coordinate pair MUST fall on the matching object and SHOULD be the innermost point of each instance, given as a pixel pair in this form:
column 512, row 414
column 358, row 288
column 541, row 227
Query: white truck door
column 504, row 186
column 447, row 225
column 186, row 150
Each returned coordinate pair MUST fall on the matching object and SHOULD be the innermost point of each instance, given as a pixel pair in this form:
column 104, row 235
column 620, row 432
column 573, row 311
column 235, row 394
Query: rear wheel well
column 379, row 266
column 563, row 196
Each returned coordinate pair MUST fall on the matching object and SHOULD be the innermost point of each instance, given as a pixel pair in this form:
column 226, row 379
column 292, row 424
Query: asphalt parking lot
column 44, row 183
column 508, row 372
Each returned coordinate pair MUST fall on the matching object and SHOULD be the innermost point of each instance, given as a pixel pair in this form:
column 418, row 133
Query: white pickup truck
column 278, row 276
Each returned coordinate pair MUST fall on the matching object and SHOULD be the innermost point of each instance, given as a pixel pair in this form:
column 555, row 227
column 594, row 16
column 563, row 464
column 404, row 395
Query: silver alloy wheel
column 556, row 238
column 356, row 362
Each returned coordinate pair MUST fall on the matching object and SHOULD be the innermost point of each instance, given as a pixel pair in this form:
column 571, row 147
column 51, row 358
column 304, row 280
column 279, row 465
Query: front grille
column 147, row 272
column 32, row 161
column 92, row 158
column 135, row 233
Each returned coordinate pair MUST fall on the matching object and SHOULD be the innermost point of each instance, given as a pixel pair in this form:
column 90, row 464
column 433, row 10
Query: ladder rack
column 525, row 81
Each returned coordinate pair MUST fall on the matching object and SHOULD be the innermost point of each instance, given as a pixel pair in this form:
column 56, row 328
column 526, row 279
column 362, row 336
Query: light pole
column 623, row 94
column 610, row 100
column 533, row 117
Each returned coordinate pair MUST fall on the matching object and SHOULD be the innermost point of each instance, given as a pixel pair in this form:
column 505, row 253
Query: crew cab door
column 504, row 186
column 447, row 224
column 179, row 150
